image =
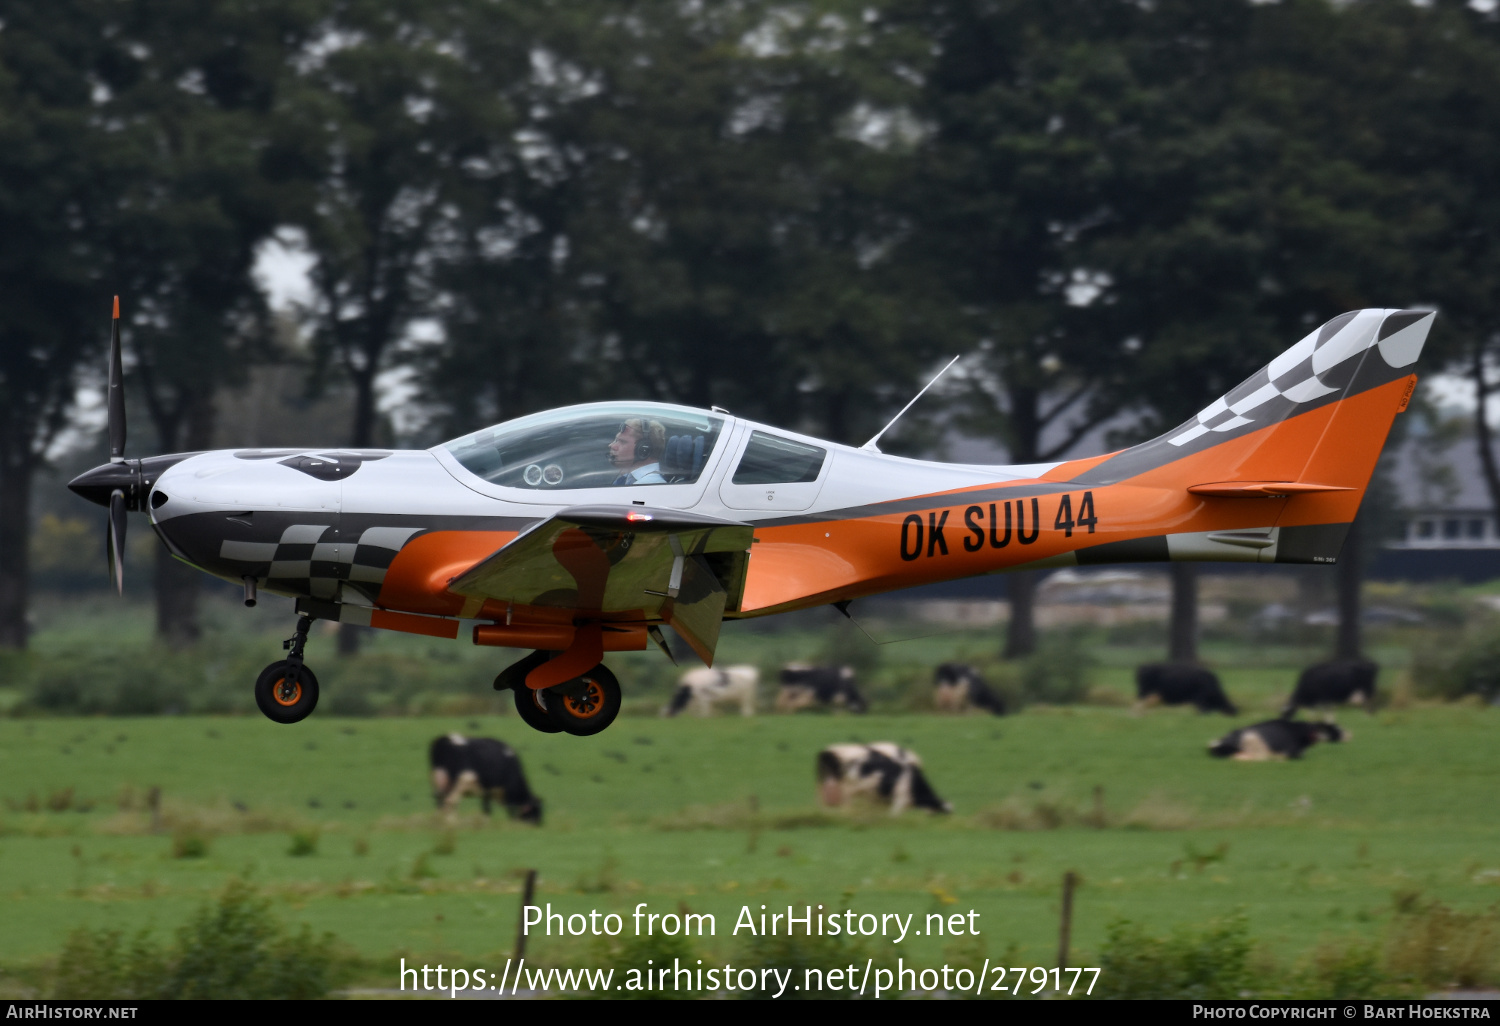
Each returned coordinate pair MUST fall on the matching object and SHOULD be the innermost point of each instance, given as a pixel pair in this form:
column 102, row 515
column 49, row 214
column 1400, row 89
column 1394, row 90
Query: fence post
column 1065, row 930
column 527, row 891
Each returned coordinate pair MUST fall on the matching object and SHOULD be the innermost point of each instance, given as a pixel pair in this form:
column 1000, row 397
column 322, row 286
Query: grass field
column 716, row 814
column 331, row 819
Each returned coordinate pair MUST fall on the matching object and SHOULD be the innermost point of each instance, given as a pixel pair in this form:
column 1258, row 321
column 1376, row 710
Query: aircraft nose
column 133, row 477
column 98, row 484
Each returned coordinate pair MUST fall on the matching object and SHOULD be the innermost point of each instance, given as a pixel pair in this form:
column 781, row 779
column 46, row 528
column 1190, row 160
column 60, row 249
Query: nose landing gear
column 287, row 691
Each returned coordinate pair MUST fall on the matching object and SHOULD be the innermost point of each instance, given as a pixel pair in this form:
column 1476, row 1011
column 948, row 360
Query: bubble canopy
column 572, row 447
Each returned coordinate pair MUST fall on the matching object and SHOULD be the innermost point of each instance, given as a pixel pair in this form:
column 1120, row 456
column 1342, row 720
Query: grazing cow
column 483, row 766
column 704, row 688
column 1274, row 739
column 881, row 772
column 1336, row 682
column 803, row 687
column 958, row 687
column 1181, row 684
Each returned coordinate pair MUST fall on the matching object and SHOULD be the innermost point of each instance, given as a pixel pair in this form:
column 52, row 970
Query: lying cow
column 1274, row 739
column 1336, row 682
column 1181, row 684
column 703, row 688
column 881, row 772
column 803, row 687
column 957, row 687
column 483, row 766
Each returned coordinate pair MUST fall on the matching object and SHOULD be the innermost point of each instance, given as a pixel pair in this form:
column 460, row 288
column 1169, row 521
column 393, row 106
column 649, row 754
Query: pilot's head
column 637, row 443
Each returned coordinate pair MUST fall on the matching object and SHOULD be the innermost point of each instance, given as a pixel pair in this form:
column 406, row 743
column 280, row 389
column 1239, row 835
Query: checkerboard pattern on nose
column 1323, row 363
column 306, row 559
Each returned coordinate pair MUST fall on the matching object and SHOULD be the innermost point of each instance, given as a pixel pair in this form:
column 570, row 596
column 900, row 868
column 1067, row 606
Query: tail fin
column 1309, row 425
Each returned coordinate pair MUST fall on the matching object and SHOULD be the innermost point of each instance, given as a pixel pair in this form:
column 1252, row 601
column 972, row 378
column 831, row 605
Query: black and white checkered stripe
column 1332, row 363
column 1321, row 364
column 303, row 561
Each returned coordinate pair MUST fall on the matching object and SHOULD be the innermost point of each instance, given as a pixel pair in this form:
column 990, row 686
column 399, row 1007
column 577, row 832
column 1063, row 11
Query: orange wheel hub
column 284, row 695
column 586, row 703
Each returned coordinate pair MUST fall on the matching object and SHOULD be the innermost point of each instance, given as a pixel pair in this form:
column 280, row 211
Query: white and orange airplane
column 584, row 530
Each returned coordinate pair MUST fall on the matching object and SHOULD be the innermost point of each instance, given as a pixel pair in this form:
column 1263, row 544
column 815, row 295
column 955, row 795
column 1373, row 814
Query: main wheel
column 284, row 695
column 531, row 708
column 586, row 705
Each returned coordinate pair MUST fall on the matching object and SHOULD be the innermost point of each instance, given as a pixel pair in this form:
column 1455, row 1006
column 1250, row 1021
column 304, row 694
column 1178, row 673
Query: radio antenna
column 870, row 446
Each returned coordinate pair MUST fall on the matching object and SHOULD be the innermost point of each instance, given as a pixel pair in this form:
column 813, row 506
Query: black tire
column 282, row 698
column 588, row 704
column 535, row 716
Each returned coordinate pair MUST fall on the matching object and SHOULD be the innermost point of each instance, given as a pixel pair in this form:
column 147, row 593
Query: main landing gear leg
column 287, row 691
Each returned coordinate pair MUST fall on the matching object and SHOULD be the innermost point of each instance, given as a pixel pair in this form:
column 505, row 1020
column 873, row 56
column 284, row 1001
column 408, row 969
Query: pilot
column 636, row 452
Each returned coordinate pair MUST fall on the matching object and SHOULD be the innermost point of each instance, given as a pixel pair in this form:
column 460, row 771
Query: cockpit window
column 592, row 447
column 770, row 459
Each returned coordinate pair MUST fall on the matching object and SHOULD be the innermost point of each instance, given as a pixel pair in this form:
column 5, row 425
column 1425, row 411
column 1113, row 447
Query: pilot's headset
column 645, row 432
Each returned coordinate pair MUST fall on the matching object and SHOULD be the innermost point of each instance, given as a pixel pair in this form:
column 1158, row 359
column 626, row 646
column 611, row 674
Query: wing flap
column 682, row 568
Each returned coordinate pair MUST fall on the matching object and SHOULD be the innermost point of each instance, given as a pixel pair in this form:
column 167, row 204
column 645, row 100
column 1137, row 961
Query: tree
column 1021, row 104
column 1258, row 198
column 53, row 185
column 385, row 107
column 191, row 92
column 699, row 212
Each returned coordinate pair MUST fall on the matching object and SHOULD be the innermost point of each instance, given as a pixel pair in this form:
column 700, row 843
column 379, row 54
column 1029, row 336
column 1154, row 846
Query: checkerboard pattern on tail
column 1321, row 364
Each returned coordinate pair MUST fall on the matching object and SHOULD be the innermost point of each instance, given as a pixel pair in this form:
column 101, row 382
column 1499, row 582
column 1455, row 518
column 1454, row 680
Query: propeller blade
column 116, row 396
column 115, row 545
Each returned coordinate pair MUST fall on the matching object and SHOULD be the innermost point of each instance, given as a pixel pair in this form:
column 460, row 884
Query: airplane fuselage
column 381, row 534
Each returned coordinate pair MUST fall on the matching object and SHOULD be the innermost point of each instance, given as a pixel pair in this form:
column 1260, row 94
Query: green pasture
column 715, row 814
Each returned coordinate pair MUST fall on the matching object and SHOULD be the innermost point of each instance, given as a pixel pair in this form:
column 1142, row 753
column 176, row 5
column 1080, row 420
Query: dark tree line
column 787, row 209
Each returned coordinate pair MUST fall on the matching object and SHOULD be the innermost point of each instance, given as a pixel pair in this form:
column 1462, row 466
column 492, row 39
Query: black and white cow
column 1274, row 739
column 1336, row 682
column 957, row 686
column 483, row 766
column 704, row 688
column 881, row 772
column 803, row 687
column 1181, row 684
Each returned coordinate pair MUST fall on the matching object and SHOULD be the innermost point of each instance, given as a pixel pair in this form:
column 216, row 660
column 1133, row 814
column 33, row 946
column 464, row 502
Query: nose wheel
column 287, row 691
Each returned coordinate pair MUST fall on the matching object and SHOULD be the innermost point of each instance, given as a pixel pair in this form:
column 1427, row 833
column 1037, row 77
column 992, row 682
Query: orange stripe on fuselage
column 800, row 565
column 417, row 580
column 796, row 565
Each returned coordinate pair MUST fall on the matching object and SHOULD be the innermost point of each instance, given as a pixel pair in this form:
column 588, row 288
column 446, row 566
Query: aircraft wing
column 611, row 560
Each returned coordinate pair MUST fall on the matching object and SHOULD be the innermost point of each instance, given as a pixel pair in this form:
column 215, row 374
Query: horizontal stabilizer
column 1263, row 489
